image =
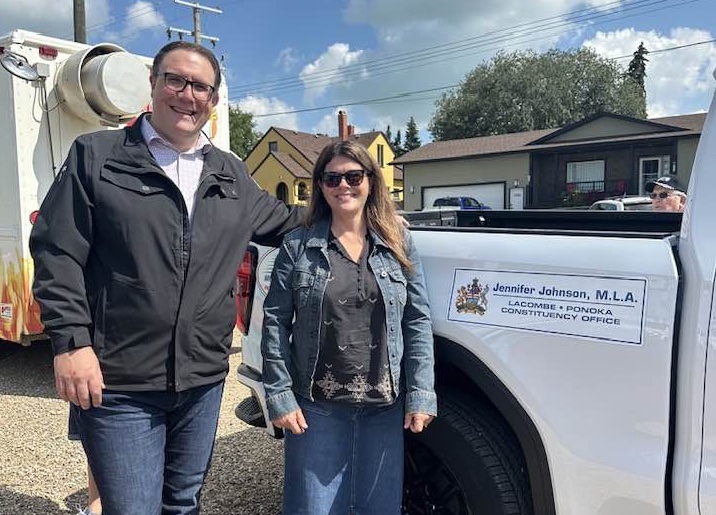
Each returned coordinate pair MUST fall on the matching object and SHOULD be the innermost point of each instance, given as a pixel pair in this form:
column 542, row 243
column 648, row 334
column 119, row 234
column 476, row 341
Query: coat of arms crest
column 472, row 298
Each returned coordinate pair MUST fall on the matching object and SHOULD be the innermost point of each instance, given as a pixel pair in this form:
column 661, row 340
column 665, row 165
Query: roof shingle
column 521, row 141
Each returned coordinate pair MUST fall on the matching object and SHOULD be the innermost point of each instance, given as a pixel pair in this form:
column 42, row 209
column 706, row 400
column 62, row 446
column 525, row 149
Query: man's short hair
column 668, row 182
column 191, row 47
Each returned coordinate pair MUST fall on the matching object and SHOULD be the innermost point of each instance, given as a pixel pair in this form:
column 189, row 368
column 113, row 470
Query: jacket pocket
column 128, row 179
column 302, row 284
column 398, row 284
column 215, row 319
column 129, row 307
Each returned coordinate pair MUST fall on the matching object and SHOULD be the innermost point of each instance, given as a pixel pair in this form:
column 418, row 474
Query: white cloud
column 329, row 123
column 677, row 81
column 454, row 35
column 327, row 70
column 262, row 105
column 49, row 17
column 140, row 16
column 675, row 85
column 54, row 18
column 286, row 59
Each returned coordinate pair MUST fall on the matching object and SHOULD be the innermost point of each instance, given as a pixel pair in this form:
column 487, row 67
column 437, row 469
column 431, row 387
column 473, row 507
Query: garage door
column 492, row 194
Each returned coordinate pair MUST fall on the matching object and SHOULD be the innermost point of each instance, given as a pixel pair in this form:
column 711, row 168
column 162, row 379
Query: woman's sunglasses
column 352, row 177
column 662, row 195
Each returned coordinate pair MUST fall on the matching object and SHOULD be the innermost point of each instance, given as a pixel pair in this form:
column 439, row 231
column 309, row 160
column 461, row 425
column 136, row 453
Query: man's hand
column 78, row 378
column 417, row 421
column 293, row 421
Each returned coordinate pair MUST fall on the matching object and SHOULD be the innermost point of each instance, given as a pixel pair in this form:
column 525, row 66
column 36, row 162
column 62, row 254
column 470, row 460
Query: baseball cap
column 668, row 182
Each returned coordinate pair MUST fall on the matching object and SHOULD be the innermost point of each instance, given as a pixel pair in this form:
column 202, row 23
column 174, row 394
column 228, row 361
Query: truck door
column 579, row 330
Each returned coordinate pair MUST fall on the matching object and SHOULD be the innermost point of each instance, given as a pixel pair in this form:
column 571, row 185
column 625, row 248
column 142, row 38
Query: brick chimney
column 342, row 125
column 351, row 130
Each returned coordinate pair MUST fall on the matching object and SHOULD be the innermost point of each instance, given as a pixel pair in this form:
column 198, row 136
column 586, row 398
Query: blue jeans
column 150, row 451
column 348, row 462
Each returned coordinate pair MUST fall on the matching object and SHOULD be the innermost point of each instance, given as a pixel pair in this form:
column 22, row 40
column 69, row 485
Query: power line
column 650, row 52
column 401, row 97
column 196, row 32
column 118, row 19
column 429, row 55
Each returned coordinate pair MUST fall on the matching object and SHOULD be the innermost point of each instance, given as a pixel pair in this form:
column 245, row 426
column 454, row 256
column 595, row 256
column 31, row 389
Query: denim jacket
column 290, row 344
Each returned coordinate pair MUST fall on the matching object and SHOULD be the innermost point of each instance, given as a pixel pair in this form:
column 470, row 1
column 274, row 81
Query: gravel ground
column 43, row 473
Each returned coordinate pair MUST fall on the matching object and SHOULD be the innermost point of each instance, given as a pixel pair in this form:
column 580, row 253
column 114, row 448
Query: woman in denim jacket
column 347, row 344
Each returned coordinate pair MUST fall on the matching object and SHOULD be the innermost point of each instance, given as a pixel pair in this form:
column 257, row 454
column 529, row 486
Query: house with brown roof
column 600, row 156
column 282, row 160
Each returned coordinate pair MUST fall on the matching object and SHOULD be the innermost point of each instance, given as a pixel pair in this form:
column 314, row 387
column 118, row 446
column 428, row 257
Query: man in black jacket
column 136, row 249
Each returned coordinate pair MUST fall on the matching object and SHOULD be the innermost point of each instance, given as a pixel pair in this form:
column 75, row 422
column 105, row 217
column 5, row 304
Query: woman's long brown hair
column 379, row 209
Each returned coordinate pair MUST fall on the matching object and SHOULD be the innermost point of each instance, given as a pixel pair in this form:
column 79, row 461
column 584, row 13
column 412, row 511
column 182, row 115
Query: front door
column 650, row 168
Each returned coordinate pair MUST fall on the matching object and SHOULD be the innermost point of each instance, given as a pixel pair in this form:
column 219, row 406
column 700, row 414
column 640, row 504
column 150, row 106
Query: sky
column 295, row 63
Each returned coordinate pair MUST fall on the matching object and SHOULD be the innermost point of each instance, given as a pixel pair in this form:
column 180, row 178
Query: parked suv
column 469, row 203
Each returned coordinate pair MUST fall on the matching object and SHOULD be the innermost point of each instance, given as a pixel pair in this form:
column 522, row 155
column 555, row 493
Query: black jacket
column 119, row 266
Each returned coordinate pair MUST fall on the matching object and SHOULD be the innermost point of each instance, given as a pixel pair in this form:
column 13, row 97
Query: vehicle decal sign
column 605, row 308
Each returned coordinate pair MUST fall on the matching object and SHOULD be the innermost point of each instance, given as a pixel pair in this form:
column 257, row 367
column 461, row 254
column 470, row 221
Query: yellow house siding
column 261, row 150
column 270, row 173
column 386, row 169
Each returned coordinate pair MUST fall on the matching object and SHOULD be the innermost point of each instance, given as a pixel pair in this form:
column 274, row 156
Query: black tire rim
column 429, row 487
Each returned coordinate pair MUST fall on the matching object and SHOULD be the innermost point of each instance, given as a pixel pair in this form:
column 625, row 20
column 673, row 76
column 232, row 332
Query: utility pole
column 78, row 9
column 198, row 36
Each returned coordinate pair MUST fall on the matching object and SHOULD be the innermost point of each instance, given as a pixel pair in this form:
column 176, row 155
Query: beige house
column 601, row 156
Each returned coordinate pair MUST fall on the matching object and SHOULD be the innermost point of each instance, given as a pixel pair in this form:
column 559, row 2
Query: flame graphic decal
column 19, row 313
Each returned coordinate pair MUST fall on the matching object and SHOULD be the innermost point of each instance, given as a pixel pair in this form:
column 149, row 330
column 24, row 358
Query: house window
column 584, row 176
column 302, row 191
column 273, row 146
column 651, row 168
column 381, row 156
column 282, row 192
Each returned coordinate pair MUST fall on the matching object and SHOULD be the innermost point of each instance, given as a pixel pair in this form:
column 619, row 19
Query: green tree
column 242, row 132
column 524, row 91
column 637, row 66
column 397, row 145
column 389, row 134
column 412, row 136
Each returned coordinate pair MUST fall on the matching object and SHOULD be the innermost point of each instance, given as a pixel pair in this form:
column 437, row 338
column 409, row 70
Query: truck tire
column 467, row 462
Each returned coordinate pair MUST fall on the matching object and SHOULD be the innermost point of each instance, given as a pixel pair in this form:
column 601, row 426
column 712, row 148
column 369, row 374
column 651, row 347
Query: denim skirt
column 348, row 462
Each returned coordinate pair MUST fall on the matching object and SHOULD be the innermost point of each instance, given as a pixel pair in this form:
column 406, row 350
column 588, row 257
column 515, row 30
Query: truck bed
column 611, row 223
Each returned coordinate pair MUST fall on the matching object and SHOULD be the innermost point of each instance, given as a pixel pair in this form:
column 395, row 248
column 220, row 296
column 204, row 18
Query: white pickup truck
column 576, row 360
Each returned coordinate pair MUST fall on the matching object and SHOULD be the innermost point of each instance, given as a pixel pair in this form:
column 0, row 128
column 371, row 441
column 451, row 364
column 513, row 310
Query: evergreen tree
column 637, row 66
column 389, row 134
column 397, row 144
column 412, row 136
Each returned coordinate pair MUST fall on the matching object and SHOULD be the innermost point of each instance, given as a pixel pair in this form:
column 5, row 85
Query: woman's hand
column 292, row 421
column 417, row 421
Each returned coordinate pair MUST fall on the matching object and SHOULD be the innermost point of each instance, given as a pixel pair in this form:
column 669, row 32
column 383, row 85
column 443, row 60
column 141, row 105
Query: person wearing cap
column 666, row 194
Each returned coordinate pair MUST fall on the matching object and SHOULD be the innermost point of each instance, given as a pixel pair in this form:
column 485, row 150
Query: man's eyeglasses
column 177, row 83
column 661, row 195
column 352, row 177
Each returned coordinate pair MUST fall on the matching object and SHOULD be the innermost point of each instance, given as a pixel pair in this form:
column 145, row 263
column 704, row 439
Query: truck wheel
column 466, row 463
